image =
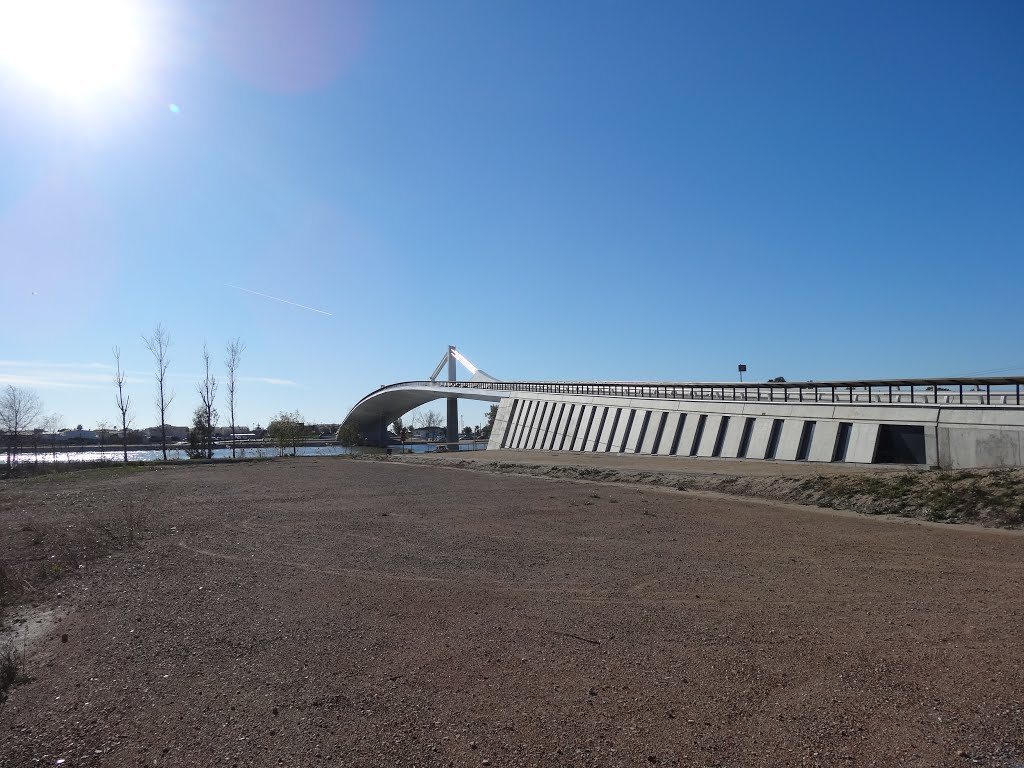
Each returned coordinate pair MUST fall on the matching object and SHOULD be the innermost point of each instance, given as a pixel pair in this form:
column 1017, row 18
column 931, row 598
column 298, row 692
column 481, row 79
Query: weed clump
column 990, row 497
column 55, row 551
column 12, row 669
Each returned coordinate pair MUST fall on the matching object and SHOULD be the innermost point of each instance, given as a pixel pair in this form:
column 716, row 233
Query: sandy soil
column 684, row 465
column 985, row 497
column 339, row 612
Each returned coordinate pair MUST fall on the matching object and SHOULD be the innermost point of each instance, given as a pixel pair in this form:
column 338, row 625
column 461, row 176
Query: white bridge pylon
column 449, row 359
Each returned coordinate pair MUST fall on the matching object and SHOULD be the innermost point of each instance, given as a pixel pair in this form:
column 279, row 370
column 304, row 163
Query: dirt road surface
column 339, row 612
column 683, row 465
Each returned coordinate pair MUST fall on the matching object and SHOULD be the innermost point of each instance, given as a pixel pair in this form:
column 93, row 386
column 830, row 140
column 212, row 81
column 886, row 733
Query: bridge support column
column 453, row 421
column 453, row 403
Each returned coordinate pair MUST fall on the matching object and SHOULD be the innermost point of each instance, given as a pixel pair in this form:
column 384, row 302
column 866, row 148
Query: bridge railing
column 951, row 391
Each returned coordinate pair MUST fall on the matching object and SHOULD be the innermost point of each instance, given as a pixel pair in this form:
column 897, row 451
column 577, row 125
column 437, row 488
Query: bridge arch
column 372, row 415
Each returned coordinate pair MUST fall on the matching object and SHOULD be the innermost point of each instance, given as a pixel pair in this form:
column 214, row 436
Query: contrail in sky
column 283, row 301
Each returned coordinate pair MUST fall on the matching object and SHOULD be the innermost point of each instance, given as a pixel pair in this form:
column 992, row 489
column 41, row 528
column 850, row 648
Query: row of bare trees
column 418, row 420
column 21, row 408
column 206, row 416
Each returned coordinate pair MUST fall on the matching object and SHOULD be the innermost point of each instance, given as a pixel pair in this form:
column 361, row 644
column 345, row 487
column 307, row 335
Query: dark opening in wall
column 517, row 429
column 611, row 431
column 528, row 432
column 600, row 428
column 549, row 425
column 773, row 438
column 572, row 424
column 539, row 433
column 748, row 429
column 806, row 435
column 643, row 432
column 900, row 444
column 625, row 435
column 590, row 424
column 842, row 441
column 510, row 422
column 557, row 424
column 528, row 416
column 678, row 433
column 720, row 439
column 699, row 434
column 660, row 434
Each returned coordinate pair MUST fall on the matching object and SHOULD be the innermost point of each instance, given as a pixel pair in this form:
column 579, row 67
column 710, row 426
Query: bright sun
column 74, row 49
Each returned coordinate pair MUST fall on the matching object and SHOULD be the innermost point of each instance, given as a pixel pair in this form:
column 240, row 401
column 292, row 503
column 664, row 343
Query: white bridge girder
column 374, row 413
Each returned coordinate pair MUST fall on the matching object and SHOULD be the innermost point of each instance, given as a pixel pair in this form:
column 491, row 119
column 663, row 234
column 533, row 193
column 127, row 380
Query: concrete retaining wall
column 955, row 436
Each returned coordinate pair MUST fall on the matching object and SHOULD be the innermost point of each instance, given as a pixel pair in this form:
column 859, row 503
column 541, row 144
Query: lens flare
column 72, row 49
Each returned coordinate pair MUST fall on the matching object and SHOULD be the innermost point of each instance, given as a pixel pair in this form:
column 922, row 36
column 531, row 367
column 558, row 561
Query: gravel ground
column 372, row 613
column 987, row 497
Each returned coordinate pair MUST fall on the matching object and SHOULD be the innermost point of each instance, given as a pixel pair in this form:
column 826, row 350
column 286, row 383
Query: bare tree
column 51, row 424
column 234, row 358
column 208, row 394
column 158, row 344
column 19, row 410
column 429, row 419
column 102, row 428
column 124, row 402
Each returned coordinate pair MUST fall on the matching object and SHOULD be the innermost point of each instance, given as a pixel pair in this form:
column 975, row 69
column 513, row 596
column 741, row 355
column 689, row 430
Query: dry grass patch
column 990, row 497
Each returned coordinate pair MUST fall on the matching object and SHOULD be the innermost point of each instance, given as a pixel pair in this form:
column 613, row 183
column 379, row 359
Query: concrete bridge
column 946, row 422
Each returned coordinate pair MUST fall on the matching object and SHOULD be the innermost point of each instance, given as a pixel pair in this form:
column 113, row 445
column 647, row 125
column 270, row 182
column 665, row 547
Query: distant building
column 429, row 434
column 83, row 435
column 173, row 433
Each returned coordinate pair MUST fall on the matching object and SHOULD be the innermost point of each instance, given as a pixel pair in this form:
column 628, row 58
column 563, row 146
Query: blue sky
column 567, row 190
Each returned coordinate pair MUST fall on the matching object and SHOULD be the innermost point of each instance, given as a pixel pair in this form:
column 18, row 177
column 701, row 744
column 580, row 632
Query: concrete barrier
column 952, row 435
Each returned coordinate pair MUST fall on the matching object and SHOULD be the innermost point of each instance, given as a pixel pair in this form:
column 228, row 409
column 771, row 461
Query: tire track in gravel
column 639, row 594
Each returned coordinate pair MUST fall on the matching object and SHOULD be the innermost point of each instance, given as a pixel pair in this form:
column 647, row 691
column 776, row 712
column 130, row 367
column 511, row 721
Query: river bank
column 248, row 450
